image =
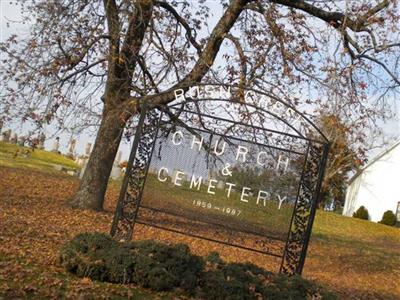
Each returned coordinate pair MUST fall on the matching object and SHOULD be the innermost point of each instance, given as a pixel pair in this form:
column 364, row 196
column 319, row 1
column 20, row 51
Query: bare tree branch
column 183, row 22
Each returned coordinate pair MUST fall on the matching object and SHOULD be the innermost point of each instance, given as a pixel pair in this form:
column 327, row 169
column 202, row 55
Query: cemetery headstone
column 21, row 140
column 6, row 135
column 118, row 158
column 85, row 162
column 41, row 140
column 88, row 148
column 115, row 172
column 116, row 169
column 56, row 145
column 85, row 158
column 14, row 138
column 71, row 148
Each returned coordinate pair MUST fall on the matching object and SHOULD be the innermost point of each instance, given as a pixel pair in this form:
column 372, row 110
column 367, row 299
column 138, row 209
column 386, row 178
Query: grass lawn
column 12, row 155
column 355, row 258
column 268, row 219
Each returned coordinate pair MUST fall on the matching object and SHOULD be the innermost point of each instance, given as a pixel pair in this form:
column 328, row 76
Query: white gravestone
column 6, row 135
column 56, row 145
column 85, row 162
column 14, row 138
column 116, row 170
column 71, row 148
column 21, row 141
column 85, row 159
column 88, row 148
column 118, row 159
column 42, row 139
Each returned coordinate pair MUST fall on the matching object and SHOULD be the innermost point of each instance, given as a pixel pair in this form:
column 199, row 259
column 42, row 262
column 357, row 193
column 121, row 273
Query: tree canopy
column 95, row 61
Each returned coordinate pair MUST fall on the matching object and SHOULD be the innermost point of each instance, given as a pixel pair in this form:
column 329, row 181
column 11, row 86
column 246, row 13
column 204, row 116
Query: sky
column 10, row 14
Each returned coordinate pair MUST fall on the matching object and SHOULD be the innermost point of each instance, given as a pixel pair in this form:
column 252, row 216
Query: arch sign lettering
column 234, row 166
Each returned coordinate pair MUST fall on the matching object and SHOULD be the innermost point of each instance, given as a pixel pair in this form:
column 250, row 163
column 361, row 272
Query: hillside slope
column 12, row 155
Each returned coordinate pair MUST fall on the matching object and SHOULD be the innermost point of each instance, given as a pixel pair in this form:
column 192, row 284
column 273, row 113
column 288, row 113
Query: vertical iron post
column 139, row 199
column 131, row 208
column 294, row 207
column 132, row 155
column 321, row 174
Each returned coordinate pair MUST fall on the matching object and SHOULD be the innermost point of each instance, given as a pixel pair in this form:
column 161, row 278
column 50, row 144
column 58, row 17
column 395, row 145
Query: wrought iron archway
column 309, row 149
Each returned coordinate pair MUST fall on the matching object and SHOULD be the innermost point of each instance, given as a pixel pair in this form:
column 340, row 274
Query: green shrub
column 389, row 218
column 162, row 267
column 230, row 280
column 246, row 281
column 86, row 254
column 150, row 264
column 361, row 213
column 120, row 264
column 294, row 288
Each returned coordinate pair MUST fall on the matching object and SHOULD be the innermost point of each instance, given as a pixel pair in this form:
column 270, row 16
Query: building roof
column 374, row 160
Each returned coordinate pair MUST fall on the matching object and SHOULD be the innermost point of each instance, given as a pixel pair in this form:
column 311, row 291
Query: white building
column 376, row 186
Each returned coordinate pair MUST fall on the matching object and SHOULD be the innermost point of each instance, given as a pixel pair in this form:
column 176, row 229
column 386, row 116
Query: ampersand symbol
column 225, row 170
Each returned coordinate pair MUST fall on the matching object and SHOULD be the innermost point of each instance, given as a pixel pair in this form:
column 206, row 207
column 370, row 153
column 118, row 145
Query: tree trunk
column 94, row 182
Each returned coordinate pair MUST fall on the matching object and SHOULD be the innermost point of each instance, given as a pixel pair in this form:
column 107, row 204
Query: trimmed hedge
column 162, row 267
column 86, row 256
column 361, row 213
column 222, row 280
column 389, row 218
column 153, row 265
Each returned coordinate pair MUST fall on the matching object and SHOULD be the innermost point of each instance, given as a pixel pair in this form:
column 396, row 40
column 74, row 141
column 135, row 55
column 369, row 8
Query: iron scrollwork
column 311, row 156
column 132, row 188
column 304, row 211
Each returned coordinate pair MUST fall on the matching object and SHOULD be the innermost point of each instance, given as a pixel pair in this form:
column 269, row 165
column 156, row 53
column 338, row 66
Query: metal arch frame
column 296, row 244
column 300, row 136
column 326, row 140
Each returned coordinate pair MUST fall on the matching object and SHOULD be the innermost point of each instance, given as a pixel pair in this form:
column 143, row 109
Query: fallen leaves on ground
column 35, row 220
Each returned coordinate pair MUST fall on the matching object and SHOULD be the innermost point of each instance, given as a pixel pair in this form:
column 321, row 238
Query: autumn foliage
column 94, row 62
column 36, row 221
